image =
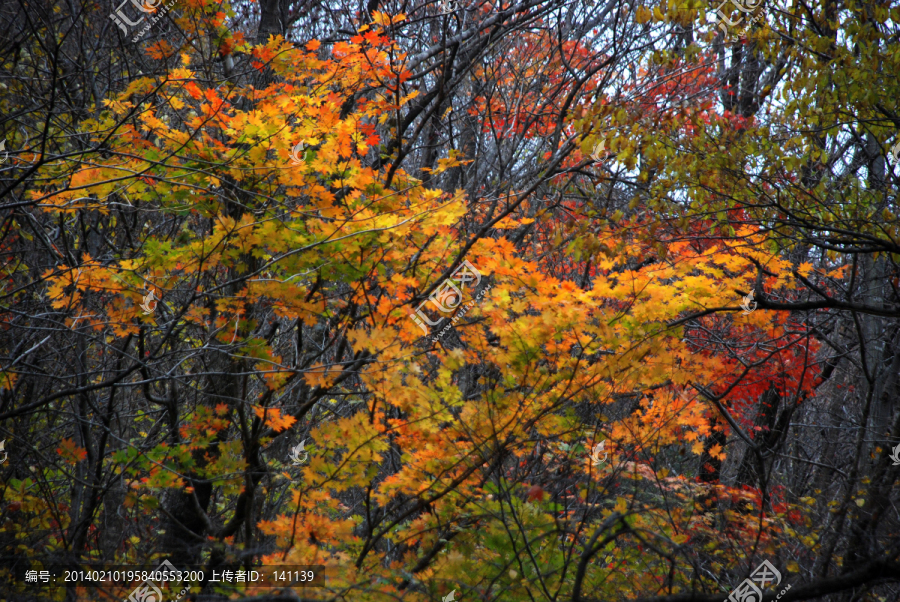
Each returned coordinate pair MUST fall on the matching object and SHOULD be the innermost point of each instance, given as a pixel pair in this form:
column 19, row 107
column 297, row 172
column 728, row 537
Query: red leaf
column 535, row 493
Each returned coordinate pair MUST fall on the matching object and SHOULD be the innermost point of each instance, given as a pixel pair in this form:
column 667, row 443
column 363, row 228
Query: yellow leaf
column 716, row 452
column 508, row 223
column 642, row 15
column 804, row 269
column 384, row 19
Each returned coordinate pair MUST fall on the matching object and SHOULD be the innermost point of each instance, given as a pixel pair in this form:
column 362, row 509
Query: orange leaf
column 193, row 90
column 274, row 418
column 321, row 376
column 70, row 452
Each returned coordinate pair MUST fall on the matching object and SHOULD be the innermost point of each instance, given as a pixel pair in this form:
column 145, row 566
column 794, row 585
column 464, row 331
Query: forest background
column 537, row 300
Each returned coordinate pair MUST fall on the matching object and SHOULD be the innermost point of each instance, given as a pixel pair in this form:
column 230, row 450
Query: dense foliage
column 538, row 300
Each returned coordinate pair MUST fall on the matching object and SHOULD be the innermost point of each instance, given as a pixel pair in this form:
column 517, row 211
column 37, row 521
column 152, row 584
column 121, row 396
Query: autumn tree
column 372, row 287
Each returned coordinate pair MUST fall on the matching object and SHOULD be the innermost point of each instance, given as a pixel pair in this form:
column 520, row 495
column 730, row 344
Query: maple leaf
column 160, row 50
column 321, row 376
column 274, row 418
column 70, row 451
